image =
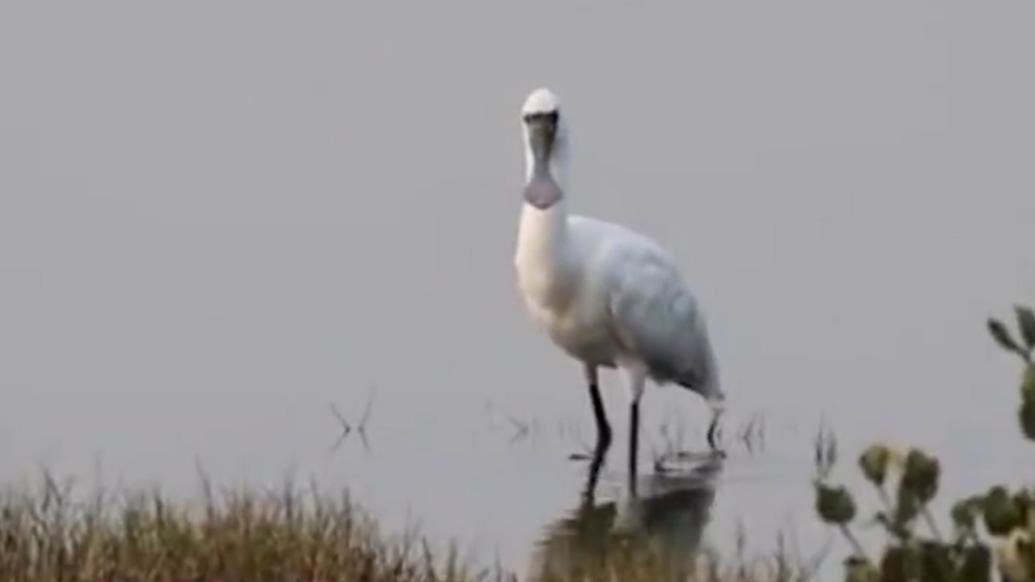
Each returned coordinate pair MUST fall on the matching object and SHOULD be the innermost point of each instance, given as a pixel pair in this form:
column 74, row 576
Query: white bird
column 608, row 296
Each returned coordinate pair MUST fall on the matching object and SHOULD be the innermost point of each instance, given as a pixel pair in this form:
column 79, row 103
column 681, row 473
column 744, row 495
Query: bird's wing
column 656, row 316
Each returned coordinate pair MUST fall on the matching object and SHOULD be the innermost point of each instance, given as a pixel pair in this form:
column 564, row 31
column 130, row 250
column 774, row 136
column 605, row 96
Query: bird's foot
column 588, row 454
column 685, row 456
column 680, row 461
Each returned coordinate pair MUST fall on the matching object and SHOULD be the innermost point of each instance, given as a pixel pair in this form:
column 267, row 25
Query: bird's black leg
column 599, row 413
column 634, row 437
column 589, row 493
column 603, row 428
column 600, row 416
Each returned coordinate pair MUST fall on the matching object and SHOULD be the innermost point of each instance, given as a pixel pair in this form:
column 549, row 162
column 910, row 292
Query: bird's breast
column 587, row 339
column 574, row 321
column 556, row 285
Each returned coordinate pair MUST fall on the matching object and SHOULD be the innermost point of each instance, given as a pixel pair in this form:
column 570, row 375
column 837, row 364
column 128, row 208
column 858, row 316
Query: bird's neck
column 544, row 229
column 542, row 253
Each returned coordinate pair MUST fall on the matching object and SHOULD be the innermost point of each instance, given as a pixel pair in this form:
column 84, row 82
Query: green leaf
column 1024, row 502
column 965, row 511
column 899, row 563
column 1001, row 513
column 874, row 463
column 1026, row 323
column 1026, row 418
column 834, row 504
column 936, row 561
column 907, row 507
column 976, row 565
column 1002, row 336
column 1026, row 412
column 920, row 476
column 1028, row 383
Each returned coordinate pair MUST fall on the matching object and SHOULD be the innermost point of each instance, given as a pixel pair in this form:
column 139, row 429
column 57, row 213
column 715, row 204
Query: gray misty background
column 216, row 218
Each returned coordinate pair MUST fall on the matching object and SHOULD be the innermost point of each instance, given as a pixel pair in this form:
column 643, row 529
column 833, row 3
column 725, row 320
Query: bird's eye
column 553, row 116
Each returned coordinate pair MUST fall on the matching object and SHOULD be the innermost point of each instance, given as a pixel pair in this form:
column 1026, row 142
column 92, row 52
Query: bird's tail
column 709, row 389
column 717, row 404
column 705, row 381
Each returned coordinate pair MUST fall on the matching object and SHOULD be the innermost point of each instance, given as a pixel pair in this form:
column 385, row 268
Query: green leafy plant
column 907, row 482
column 1024, row 348
column 1026, row 328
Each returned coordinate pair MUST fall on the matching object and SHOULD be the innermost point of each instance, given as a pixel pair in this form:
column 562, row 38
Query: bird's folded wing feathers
column 656, row 316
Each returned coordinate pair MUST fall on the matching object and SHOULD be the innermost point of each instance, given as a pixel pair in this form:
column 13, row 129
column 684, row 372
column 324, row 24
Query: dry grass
column 233, row 536
column 290, row 535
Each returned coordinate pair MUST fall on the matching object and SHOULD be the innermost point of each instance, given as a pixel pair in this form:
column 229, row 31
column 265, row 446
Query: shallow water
column 216, row 222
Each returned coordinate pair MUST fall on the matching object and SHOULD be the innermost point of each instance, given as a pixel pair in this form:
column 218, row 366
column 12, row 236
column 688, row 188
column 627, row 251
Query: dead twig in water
column 359, row 427
column 751, row 433
column 825, row 450
column 346, row 428
column 362, row 426
column 521, row 430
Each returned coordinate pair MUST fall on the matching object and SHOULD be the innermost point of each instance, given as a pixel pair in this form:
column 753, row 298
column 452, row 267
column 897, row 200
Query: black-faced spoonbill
column 608, row 296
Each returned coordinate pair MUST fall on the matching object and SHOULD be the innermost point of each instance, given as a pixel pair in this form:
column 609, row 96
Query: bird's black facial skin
column 542, row 129
column 550, row 116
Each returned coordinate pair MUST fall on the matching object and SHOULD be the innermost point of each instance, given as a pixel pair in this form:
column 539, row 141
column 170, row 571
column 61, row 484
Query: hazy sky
column 215, row 216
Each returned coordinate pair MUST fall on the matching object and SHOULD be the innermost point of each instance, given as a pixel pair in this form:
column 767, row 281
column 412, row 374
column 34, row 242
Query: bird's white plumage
column 541, row 101
column 609, row 296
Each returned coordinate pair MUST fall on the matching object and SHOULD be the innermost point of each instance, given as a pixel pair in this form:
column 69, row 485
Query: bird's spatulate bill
column 542, row 192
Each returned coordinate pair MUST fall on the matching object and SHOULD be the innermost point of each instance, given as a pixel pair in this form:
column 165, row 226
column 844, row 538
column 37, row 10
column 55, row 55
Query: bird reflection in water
column 655, row 527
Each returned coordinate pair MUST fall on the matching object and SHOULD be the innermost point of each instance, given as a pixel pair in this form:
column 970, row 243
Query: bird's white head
column 541, row 100
column 546, row 137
